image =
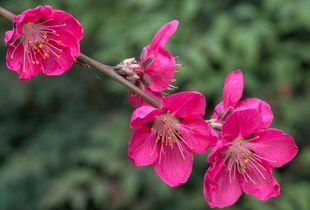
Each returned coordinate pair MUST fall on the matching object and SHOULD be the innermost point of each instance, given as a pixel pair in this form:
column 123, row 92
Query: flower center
column 167, row 134
column 242, row 159
column 28, row 27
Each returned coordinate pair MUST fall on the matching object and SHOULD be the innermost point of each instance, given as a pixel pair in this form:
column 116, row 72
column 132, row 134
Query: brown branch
column 7, row 14
column 109, row 70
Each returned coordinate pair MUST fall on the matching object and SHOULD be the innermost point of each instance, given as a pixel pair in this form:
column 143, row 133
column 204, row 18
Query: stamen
column 242, row 156
column 165, row 127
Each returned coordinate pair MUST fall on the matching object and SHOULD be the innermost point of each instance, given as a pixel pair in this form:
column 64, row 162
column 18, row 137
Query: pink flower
column 243, row 159
column 167, row 137
column 232, row 92
column 157, row 66
column 44, row 41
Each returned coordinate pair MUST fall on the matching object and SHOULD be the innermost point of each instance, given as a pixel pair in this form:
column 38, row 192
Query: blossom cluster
column 244, row 147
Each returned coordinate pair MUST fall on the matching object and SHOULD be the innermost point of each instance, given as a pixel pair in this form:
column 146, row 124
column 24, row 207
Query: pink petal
column 218, row 190
column 8, row 36
column 242, row 123
column 261, row 106
column 31, row 71
column 32, row 15
column 261, row 186
column 220, row 147
column 164, row 33
column 161, row 70
column 72, row 24
column 68, row 40
column 186, row 104
column 142, row 115
column 142, row 147
column 275, row 146
column 196, row 134
column 15, row 63
column 233, row 88
column 57, row 66
column 219, row 109
column 172, row 168
column 137, row 101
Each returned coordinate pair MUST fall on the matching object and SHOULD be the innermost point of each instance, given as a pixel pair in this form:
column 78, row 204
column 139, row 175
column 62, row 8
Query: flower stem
column 108, row 70
column 7, row 14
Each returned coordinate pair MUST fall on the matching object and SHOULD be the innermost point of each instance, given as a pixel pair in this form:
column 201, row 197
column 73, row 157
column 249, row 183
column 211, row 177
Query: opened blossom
column 167, row 137
column 44, row 41
column 243, row 159
column 232, row 93
column 156, row 68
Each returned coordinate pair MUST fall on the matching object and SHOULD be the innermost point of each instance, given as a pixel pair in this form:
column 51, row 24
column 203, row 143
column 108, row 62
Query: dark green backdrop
column 63, row 140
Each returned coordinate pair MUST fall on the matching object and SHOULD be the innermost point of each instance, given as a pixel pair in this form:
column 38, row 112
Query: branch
column 7, row 14
column 108, row 70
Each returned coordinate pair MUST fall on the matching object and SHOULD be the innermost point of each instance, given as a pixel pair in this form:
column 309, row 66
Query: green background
column 63, row 140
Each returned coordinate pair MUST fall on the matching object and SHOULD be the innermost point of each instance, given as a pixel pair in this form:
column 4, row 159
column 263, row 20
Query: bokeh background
column 63, row 140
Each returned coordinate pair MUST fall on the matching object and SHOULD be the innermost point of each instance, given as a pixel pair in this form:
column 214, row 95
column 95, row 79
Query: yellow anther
column 40, row 46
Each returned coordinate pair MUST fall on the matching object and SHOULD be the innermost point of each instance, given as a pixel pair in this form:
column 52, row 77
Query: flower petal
column 274, row 145
column 32, row 15
column 15, row 62
column 72, row 24
column 196, row 134
column 161, row 70
column 172, row 168
column 218, row 111
column 142, row 115
column 186, row 104
column 8, row 36
column 261, row 106
column 142, row 147
column 136, row 101
column 260, row 184
column 68, row 40
column 54, row 65
column 233, row 88
column 161, row 37
column 30, row 71
column 242, row 123
column 219, row 190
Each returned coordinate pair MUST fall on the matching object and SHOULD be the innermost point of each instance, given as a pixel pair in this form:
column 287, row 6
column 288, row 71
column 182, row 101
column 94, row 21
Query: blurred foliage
column 64, row 139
